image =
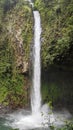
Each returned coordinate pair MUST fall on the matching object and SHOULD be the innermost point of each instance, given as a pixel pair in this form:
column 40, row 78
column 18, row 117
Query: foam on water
column 24, row 120
column 40, row 117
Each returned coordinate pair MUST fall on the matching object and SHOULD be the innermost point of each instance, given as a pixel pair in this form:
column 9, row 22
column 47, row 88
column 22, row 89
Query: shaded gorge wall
column 57, row 86
column 56, row 50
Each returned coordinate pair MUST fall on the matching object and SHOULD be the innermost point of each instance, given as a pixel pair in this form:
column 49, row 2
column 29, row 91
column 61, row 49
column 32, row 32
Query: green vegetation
column 57, row 50
column 15, row 39
column 16, row 34
column 57, row 86
column 57, row 35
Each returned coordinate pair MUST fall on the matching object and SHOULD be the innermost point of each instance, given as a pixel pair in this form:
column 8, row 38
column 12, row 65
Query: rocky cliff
column 16, row 35
column 57, row 26
column 15, row 43
column 57, row 50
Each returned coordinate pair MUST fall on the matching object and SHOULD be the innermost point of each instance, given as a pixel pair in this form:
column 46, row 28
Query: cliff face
column 57, row 50
column 15, row 42
column 19, row 26
column 57, row 26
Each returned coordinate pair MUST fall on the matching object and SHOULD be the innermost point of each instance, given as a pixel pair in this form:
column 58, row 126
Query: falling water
column 36, row 95
column 25, row 120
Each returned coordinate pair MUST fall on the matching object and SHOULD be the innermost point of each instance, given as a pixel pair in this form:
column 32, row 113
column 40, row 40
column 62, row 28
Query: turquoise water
column 2, row 126
column 25, row 121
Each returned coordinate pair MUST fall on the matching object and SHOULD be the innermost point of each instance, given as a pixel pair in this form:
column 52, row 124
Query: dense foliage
column 57, row 50
column 57, row 35
column 15, row 39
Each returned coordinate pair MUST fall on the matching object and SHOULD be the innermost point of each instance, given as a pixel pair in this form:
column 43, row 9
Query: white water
column 36, row 94
column 39, row 116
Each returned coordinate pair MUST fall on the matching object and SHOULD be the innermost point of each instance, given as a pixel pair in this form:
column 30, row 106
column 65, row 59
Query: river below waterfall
column 24, row 120
column 4, row 127
column 40, row 117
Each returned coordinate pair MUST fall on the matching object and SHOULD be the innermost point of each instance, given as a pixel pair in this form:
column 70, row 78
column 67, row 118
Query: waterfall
column 40, row 117
column 36, row 94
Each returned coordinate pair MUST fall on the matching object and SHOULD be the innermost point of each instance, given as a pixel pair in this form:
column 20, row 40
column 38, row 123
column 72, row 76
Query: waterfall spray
column 25, row 120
